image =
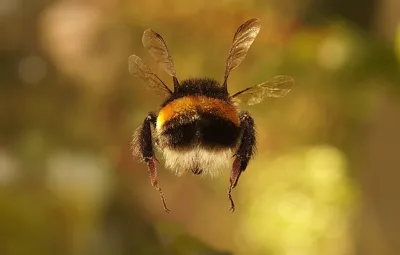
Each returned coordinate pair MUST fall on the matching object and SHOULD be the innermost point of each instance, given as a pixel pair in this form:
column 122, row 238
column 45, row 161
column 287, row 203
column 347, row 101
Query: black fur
column 209, row 131
column 199, row 86
column 145, row 137
column 179, row 134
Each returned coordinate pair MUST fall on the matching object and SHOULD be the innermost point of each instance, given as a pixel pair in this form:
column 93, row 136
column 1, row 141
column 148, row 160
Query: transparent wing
column 138, row 69
column 244, row 37
column 278, row 86
column 157, row 48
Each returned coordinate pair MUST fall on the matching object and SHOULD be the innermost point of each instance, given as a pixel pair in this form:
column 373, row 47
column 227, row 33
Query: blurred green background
column 326, row 176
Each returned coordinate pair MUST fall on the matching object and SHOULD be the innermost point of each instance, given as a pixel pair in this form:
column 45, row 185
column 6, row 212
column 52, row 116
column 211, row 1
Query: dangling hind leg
column 244, row 152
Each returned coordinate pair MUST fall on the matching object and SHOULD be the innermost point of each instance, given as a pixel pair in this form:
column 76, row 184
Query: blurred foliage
column 306, row 203
column 324, row 180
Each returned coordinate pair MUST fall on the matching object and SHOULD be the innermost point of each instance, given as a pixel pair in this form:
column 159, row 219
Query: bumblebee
column 199, row 127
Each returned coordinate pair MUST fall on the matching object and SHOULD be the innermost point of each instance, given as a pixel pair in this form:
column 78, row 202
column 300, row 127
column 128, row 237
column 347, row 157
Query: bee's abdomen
column 209, row 130
column 198, row 120
column 217, row 131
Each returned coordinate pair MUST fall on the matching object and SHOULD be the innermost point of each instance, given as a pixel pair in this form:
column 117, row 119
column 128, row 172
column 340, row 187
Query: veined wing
column 278, row 86
column 242, row 40
column 139, row 69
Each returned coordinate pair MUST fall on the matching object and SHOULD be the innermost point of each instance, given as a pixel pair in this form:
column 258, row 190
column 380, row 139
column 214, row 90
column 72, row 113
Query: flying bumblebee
column 199, row 128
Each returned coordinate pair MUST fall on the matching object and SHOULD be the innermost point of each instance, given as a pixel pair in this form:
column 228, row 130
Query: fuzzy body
column 198, row 129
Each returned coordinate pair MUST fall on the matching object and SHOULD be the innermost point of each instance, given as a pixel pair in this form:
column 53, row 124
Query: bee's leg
column 244, row 152
column 147, row 151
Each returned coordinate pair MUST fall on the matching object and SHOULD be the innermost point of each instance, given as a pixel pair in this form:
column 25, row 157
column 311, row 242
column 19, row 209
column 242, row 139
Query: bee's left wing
column 155, row 45
column 278, row 86
column 139, row 69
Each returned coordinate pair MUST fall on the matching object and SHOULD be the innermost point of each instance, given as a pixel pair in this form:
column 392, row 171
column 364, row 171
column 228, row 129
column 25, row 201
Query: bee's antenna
column 176, row 84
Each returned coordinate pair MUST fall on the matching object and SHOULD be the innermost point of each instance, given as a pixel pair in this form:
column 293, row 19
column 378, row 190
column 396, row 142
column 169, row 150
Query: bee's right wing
column 278, row 86
column 242, row 40
column 138, row 69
